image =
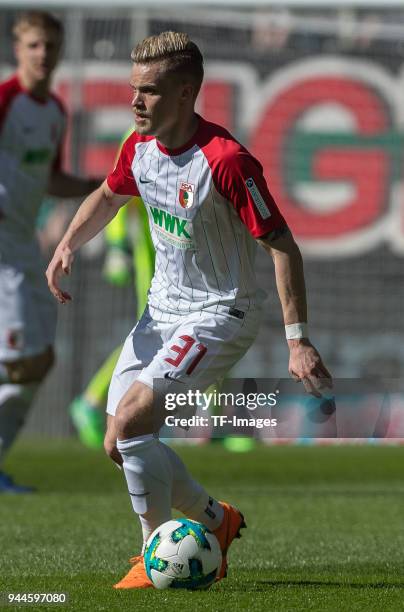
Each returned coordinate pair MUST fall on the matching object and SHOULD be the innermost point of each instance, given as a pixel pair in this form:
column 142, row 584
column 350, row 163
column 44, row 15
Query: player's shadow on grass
column 263, row 585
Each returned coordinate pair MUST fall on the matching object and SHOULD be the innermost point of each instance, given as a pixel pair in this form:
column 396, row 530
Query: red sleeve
column 239, row 178
column 8, row 91
column 121, row 180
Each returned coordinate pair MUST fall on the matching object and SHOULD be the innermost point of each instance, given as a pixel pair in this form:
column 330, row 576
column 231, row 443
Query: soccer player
column 32, row 124
column 208, row 206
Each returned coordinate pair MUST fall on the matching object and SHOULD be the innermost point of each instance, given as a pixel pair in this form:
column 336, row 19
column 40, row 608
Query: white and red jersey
column 31, row 135
column 207, row 202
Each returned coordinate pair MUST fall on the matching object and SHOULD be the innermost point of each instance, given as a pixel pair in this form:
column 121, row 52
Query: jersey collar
column 29, row 93
column 185, row 147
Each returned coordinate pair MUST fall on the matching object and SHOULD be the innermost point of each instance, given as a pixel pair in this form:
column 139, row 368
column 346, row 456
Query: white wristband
column 296, row 331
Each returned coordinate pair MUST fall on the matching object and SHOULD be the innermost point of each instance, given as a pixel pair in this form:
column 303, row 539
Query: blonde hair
column 37, row 19
column 176, row 50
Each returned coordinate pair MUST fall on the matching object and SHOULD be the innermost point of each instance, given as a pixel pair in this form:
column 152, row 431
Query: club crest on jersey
column 186, row 195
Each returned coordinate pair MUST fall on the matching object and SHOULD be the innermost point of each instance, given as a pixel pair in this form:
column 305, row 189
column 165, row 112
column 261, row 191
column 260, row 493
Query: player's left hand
column 61, row 264
column 306, row 366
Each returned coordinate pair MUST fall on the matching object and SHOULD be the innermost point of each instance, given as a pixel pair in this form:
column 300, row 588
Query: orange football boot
column 229, row 529
column 136, row 578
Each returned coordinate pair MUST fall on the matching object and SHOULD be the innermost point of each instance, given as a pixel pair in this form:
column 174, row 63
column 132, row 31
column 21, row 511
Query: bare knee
column 110, row 441
column 136, row 413
column 131, row 418
column 31, row 369
column 110, row 435
column 109, row 445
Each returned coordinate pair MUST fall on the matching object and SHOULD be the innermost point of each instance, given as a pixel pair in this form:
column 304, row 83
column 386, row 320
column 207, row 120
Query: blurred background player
column 32, row 126
column 130, row 255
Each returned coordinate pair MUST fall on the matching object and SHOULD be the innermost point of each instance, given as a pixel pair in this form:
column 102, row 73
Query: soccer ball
column 182, row 554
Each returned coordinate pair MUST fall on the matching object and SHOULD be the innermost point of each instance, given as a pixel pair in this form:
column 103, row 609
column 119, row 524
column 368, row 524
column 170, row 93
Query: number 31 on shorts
column 182, row 351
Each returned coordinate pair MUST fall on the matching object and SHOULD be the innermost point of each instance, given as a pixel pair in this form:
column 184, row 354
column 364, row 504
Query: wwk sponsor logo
column 172, row 229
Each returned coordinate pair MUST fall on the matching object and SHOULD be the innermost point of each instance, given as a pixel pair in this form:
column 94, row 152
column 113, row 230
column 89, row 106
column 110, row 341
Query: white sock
column 189, row 496
column 15, row 402
column 157, row 480
column 149, row 477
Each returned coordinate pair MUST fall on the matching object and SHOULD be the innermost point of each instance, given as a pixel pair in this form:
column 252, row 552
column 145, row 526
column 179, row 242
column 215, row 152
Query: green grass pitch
column 325, row 529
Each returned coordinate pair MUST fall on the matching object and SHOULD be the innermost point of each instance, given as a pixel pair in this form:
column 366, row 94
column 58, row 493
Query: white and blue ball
column 182, row 554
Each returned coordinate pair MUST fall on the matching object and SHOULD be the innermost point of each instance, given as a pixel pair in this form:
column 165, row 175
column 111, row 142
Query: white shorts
column 27, row 311
column 193, row 352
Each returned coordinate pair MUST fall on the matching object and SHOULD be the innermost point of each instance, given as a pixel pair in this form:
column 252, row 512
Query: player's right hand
column 61, row 264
